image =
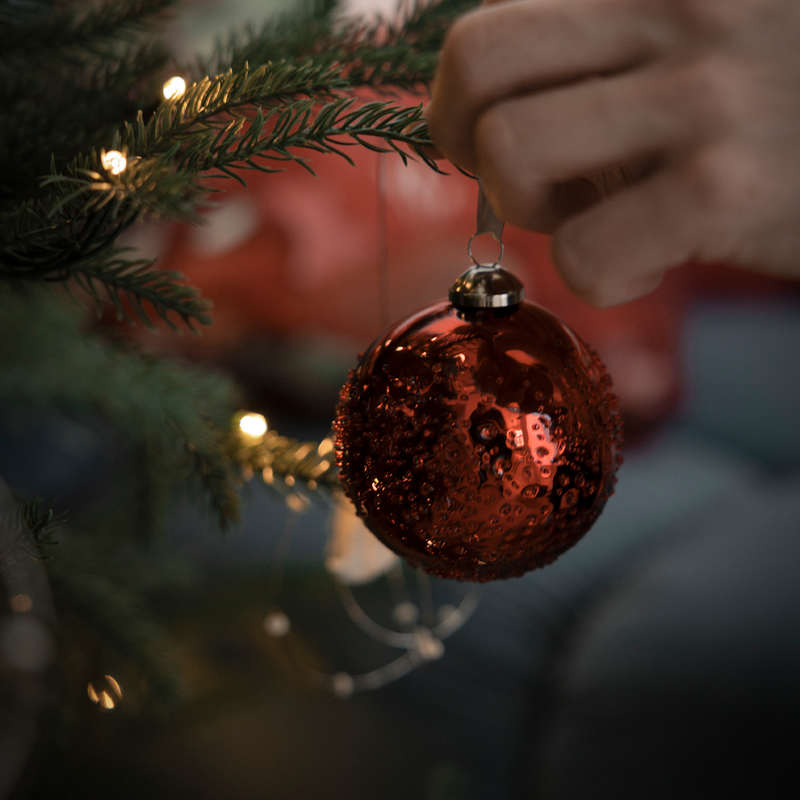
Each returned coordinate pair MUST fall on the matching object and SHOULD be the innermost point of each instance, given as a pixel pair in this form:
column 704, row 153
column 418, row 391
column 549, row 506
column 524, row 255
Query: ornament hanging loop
column 486, row 285
column 495, row 264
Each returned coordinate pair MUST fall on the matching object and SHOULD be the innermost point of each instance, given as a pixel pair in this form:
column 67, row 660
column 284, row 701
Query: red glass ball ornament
column 481, row 443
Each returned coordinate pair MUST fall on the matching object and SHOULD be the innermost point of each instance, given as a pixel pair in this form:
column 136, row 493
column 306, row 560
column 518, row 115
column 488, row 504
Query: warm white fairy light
column 174, row 87
column 114, row 161
column 106, row 697
column 253, row 426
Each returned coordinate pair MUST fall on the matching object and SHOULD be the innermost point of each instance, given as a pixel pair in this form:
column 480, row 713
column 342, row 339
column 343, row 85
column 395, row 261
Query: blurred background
column 658, row 658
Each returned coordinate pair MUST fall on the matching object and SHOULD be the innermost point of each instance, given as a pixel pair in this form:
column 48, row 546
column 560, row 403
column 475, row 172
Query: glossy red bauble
column 478, row 444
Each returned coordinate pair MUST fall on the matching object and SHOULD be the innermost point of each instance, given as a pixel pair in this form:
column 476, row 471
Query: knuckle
column 462, row 47
column 717, row 18
column 717, row 92
column 503, row 142
column 496, row 141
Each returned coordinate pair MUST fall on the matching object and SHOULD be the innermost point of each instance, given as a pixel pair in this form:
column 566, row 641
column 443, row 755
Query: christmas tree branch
column 396, row 54
column 51, row 115
column 175, row 418
column 76, row 81
column 70, row 74
column 246, row 118
column 182, row 121
column 283, row 462
column 42, row 523
column 84, row 212
column 72, row 33
column 109, row 281
column 279, row 136
column 232, row 122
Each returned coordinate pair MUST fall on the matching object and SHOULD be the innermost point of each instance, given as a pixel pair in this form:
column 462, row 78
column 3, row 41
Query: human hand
column 692, row 106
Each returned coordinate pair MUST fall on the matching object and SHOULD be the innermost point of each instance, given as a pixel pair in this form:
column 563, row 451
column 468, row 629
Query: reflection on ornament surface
column 478, row 445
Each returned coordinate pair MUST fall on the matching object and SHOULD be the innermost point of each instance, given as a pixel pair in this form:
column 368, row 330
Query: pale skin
column 683, row 114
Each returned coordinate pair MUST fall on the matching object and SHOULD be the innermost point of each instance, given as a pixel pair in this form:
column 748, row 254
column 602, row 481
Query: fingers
column 690, row 107
column 619, row 249
column 527, row 147
column 505, row 49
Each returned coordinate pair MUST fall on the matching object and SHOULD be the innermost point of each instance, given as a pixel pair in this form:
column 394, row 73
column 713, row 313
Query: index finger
column 519, row 46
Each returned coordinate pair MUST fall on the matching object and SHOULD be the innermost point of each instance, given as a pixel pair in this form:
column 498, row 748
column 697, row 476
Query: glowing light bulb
column 253, row 426
column 106, row 694
column 114, row 162
column 174, row 87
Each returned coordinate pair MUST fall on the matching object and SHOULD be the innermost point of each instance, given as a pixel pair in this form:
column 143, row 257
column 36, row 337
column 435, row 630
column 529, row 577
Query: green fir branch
column 293, row 35
column 77, row 78
column 112, row 281
column 84, row 212
column 73, row 33
column 253, row 119
column 46, row 116
column 280, row 136
column 176, row 418
column 400, row 53
column 193, row 119
column 283, row 463
column 246, row 118
column 42, row 522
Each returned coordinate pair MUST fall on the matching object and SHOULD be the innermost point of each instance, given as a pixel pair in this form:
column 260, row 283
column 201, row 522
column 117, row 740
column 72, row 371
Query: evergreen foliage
column 79, row 78
column 41, row 522
column 175, row 418
column 249, row 116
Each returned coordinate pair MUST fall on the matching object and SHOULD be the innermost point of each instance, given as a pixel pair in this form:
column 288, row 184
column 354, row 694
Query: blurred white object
column 226, row 226
column 354, row 555
column 370, row 9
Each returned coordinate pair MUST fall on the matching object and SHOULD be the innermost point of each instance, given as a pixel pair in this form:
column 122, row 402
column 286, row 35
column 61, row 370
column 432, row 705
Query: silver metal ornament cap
column 486, row 286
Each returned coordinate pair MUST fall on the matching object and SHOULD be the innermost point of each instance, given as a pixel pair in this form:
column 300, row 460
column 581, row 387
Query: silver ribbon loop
column 487, row 221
